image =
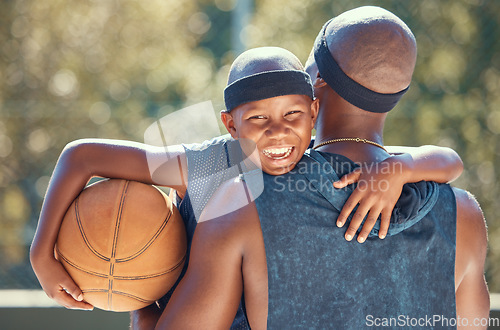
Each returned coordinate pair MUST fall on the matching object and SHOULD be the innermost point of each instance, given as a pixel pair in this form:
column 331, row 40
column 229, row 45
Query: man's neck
column 357, row 152
column 351, row 126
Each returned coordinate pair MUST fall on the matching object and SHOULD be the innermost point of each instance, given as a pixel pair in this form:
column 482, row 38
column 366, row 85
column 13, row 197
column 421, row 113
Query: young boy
column 269, row 101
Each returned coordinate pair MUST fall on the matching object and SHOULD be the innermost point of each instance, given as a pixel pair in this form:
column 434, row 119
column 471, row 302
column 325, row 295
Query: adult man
column 376, row 50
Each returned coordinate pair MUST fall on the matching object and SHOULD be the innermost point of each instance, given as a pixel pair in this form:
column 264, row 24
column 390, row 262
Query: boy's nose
column 277, row 131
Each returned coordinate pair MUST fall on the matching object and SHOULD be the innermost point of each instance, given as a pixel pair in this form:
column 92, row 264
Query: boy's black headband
column 265, row 85
column 348, row 89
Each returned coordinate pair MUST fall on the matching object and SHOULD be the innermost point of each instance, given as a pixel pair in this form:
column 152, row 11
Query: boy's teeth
column 278, row 153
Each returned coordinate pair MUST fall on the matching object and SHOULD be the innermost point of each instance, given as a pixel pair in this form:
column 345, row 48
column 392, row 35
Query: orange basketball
column 123, row 243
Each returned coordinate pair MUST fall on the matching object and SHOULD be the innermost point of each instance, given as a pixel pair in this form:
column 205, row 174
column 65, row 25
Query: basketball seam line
column 120, row 293
column 118, row 219
column 138, row 277
column 115, row 243
column 149, row 243
column 84, row 235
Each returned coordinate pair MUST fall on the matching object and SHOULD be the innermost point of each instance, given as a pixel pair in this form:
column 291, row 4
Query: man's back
column 317, row 279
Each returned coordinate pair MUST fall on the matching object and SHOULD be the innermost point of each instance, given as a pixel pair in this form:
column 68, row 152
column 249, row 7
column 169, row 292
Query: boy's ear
column 228, row 121
column 314, row 111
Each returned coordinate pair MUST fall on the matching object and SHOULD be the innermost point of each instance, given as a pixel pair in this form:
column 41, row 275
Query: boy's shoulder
column 214, row 142
column 209, row 164
column 214, row 157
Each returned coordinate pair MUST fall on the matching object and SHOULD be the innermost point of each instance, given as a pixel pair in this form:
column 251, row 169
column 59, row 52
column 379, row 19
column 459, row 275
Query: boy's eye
column 293, row 112
column 257, row 117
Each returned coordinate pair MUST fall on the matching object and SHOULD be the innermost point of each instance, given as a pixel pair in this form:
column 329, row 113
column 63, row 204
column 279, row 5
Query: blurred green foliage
column 108, row 69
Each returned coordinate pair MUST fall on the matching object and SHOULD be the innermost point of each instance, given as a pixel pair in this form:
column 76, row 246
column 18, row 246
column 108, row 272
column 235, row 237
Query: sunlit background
column 109, row 68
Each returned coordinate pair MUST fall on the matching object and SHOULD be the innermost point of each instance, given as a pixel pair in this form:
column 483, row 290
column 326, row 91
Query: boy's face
column 280, row 127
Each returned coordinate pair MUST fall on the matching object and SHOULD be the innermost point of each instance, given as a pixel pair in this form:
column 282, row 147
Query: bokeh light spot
column 39, row 140
column 63, row 83
column 225, row 5
column 120, row 90
column 15, row 205
column 493, row 122
column 486, row 172
column 100, row 113
column 20, row 27
column 41, row 185
column 199, row 23
column 157, row 81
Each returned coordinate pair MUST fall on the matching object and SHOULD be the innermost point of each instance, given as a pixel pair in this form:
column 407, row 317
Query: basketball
column 123, row 243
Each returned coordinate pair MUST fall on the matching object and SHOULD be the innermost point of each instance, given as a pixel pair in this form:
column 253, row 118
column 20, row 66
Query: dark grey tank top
column 318, row 280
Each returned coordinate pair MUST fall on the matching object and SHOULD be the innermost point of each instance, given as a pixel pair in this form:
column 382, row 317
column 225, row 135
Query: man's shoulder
column 230, row 211
column 471, row 224
column 231, row 196
column 467, row 204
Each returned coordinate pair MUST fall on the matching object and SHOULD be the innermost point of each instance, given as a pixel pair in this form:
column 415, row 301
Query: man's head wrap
column 351, row 91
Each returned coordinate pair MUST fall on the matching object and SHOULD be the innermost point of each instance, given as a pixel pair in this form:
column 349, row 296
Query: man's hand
column 378, row 190
column 58, row 285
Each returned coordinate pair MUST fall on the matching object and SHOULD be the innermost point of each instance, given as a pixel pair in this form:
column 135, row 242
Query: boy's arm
column 429, row 163
column 379, row 187
column 78, row 163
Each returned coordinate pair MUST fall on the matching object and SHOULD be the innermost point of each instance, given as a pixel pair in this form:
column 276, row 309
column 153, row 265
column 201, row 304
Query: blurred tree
column 110, row 68
column 88, row 69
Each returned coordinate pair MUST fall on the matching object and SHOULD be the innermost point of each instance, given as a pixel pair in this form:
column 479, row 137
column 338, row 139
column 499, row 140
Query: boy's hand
column 59, row 286
column 378, row 190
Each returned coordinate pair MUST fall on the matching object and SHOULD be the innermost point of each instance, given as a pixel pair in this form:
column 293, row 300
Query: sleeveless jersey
column 318, row 280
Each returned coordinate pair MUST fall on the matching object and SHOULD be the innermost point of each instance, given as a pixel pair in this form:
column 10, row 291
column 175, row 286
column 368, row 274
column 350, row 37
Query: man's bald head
column 263, row 59
column 373, row 47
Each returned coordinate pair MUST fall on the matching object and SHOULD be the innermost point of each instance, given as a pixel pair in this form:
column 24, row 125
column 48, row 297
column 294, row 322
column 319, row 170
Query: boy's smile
column 279, row 126
column 277, row 153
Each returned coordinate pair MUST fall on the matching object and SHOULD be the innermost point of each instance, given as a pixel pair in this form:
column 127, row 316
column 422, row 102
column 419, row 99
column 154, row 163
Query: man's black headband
column 348, row 89
column 265, row 85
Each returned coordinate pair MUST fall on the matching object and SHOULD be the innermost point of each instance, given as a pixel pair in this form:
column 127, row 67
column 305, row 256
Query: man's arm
column 227, row 251
column 145, row 318
column 79, row 162
column 209, row 294
column 472, row 296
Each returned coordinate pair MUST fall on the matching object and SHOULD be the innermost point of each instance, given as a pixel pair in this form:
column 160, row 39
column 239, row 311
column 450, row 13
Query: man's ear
column 228, row 121
column 318, row 81
column 314, row 111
